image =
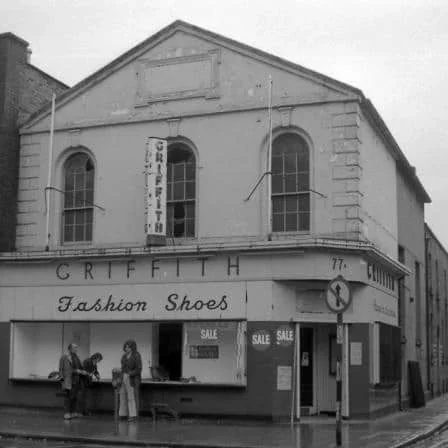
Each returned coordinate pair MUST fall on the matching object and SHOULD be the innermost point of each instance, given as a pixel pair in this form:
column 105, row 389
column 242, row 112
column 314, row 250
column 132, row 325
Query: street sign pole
column 339, row 350
column 339, row 298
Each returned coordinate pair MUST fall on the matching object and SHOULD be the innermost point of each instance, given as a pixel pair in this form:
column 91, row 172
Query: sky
column 395, row 51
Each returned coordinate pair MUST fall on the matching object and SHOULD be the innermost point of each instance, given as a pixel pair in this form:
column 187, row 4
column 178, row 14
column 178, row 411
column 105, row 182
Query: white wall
column 230, row 147
column 379, row 189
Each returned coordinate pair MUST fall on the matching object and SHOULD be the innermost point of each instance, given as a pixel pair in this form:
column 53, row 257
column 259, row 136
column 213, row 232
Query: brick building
column 437, row 313
column 24, row 89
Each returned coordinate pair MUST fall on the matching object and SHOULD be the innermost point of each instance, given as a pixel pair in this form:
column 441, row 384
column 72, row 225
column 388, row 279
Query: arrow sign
column 339, row 295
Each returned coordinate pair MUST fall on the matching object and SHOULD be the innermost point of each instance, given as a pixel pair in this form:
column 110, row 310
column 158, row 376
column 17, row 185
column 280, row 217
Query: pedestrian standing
column 131, row 369
column 70, row 371
column 90, row 366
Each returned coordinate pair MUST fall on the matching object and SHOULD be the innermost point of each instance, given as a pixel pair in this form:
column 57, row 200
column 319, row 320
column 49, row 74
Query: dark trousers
column 86, row 399
column 82, row 400
column 71, row 399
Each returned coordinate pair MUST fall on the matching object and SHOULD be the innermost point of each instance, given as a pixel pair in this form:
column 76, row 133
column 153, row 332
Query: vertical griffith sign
column 155, row 191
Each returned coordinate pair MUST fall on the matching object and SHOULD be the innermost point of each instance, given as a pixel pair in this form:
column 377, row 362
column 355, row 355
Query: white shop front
column 210, row 324
column 188, row 331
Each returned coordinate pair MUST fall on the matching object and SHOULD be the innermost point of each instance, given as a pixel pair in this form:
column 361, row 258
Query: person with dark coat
column 131, row 369
column 70, row 371
column 90, row 366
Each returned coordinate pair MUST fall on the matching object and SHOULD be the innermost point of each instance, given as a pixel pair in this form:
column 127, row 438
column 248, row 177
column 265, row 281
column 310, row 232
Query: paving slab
column 398, row 430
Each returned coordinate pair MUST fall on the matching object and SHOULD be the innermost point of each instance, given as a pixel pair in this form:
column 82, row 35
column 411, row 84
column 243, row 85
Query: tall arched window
column 290, row 184
column 181, row 191
column 77, row 215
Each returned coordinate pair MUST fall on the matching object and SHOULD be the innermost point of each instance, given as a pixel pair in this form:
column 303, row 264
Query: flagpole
column 269, row 161
column 50, row 168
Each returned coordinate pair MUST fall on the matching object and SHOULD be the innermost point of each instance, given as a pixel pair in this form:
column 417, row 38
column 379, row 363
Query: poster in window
column 204, row 352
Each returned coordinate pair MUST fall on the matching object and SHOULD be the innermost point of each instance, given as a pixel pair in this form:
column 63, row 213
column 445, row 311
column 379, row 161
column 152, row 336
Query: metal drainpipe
column 400, row 325
column 428, row 329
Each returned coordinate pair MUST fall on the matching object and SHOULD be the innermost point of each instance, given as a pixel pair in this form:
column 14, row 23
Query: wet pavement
column 439, row 440
column 393, row 431
column 27, row 443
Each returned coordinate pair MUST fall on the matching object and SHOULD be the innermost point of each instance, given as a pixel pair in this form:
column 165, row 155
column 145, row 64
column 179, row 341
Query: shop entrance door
column 306, row 367
column 170, row 349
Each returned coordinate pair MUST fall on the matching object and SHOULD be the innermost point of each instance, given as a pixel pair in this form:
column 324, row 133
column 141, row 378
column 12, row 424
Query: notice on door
column 284, row 377
column 356, row 353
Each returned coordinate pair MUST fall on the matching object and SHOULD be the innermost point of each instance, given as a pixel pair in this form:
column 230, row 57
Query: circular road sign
column 339, row 295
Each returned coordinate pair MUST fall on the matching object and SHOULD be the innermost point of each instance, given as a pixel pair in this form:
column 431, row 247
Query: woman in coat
column 70, row 369
column 131, row 370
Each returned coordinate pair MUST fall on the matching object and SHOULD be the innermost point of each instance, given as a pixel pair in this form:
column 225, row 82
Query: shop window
column 181, row 191
column 290, row 184
column 214, row 352
column 390, row 361
column 77, row 215
column 200, row 352
column 37, row 346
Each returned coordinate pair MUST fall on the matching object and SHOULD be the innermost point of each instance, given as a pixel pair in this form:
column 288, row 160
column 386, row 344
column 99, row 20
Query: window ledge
column 191, row 384
column 288, row 235
column 39, row 379
column 34, row 379
column 180, row 241
column 76, row 245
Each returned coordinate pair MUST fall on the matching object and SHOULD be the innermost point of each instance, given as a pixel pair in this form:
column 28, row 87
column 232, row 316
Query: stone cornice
column 204, row 249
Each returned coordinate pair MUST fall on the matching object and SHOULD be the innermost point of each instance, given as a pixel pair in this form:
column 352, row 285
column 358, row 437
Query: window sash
column 290, row 171
column 77, row 214
column 181, row 196
column 290, row 184
column 291, row 212
column 77, row 225
column 184, row 226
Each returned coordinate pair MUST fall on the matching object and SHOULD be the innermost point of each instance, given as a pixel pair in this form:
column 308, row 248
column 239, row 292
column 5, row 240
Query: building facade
column 437, row 315
column 23, row 90
column 229, row 313
column 412, row 303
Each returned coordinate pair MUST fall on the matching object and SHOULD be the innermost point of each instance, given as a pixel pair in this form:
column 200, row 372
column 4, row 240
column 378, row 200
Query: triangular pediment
column 185, row 70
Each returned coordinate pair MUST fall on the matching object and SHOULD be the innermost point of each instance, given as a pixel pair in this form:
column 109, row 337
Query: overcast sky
column 395, row 51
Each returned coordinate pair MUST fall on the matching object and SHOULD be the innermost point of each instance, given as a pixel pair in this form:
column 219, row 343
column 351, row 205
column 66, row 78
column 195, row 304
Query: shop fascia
column 152, row 268
column 257, row 263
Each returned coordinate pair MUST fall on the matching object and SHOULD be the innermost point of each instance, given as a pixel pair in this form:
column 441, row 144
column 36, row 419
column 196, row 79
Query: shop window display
column 172, row 352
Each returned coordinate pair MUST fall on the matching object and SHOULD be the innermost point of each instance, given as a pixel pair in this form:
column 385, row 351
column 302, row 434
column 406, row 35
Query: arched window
column 77, row 215
column 290, row 184
column 181, row 191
